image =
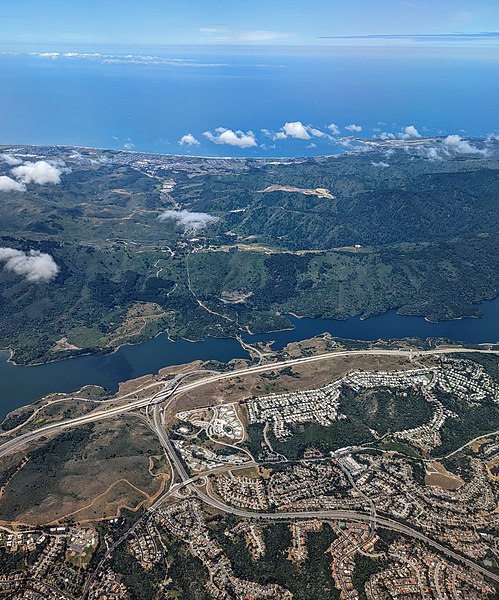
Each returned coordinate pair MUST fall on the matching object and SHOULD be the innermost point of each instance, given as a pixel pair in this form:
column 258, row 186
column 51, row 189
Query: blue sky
column 93, row 23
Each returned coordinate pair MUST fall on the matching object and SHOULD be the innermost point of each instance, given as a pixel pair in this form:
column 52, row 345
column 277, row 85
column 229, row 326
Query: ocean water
column 147, row 104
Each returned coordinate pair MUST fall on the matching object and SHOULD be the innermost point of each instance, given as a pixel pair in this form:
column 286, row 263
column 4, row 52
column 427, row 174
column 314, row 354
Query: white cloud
column 353, row 127
column 445, row 148
column 34, row 266
column 46, row 54
column 231, row 34
column 386, row 136
column 10, row 160
column 312, row 145
column 129, row 145
column 188, row 140
column 381, row 164
column 430, row 153
column 232, row 138
column 40, row 172
column 316, row 132
column 334, row 129
column 192, row 222
column 410, row 133
column 345, row 143
column 456, row 144
column 296, row 129
column 7, row 184
column 118, row 59
column 214, row 30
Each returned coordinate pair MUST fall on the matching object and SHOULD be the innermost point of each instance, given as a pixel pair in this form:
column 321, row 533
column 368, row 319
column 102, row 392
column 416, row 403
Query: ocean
column 148, row 99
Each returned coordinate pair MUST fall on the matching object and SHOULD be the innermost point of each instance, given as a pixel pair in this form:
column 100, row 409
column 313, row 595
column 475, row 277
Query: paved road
column 381, row 521
column 170, row 387
column 480, row 437
column 175, row 386
column 384, row 522
column 23, row 439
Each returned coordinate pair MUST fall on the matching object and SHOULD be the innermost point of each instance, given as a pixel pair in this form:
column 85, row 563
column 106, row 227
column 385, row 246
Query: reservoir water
column 21, row 385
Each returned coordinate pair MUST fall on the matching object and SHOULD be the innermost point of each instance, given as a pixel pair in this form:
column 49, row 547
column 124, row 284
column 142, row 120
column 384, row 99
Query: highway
column 371, row 518
column 384, row 522
column 169, row 389
column 173, row 386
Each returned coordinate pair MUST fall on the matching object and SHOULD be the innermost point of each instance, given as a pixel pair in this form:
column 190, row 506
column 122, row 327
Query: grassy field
column 85, row 474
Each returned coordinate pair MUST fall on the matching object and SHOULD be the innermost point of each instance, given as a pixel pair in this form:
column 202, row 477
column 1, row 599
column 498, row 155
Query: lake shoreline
column 23, row 384
column 110, row 351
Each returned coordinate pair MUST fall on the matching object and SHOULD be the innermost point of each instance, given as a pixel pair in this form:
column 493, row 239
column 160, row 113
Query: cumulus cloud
column 380, row 164
column 7, row 184
column 188, row 140
column 456, row 144
column 34, row 266
column 10, row 160
column 410, row 133
column 268, row 133
column 334, row 129
column 353, row 128
column 445, row 148
column 192, row 222
column 296, row 129
column 232, row 138
column 316, row 132
column 430, row 153
column 345, row 143
column 41, row 172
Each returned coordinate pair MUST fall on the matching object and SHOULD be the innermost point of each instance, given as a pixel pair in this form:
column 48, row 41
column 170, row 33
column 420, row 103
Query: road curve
column 384, row 522
column 16, row 443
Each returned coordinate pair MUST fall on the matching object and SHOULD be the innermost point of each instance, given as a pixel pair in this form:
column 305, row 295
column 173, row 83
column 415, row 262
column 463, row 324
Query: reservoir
column 21, row 385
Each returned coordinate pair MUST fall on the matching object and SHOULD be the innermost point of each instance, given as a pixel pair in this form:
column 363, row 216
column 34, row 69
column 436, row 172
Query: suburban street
column 175, row 387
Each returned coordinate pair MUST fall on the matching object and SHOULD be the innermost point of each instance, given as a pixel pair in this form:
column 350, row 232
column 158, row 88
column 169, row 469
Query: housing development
column 379, row 482
column 249, row 300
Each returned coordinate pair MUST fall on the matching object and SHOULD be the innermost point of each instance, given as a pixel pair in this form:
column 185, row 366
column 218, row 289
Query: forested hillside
column 242, row 243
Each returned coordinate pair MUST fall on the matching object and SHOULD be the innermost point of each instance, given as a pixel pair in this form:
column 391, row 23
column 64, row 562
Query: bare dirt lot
column 299, row 377
column 438, row 476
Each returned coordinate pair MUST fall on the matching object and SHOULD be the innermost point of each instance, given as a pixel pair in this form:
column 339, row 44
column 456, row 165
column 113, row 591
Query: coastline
column 364, row 145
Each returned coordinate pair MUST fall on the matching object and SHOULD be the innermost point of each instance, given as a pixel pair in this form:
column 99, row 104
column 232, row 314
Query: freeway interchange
column 175, row 386
column 157, row 404
column 371, row 518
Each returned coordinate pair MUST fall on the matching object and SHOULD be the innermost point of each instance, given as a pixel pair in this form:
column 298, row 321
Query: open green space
column 426, row 235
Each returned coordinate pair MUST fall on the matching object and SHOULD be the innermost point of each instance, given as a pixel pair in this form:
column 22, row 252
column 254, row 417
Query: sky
column 53, row 24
